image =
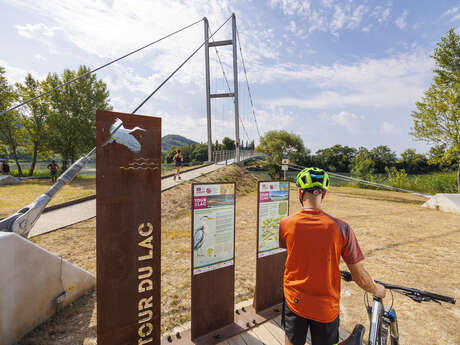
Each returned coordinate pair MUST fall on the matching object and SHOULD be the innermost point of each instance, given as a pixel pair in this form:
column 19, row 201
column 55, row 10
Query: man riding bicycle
column 315, row 241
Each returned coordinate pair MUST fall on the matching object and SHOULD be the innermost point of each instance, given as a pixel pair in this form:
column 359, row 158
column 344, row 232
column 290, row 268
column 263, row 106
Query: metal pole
column 208, row 85
column 235, row 91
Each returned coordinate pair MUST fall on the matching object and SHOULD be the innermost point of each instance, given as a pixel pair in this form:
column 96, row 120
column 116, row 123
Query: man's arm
column 363, row 279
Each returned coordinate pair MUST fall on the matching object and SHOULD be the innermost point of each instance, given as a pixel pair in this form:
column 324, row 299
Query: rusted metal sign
column 213, row 252
column 272, row 206
column 128, row 185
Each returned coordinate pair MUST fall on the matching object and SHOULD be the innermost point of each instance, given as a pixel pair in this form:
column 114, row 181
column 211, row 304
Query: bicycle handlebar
column 414, row 294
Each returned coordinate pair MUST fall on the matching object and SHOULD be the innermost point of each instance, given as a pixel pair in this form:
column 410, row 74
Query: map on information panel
column 273, row 206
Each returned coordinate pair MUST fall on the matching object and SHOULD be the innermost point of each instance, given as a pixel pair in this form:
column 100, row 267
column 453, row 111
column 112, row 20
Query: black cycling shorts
column 296, row 328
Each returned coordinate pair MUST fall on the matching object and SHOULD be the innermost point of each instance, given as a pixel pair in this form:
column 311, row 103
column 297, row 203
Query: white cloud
column 453, row 13
column 387, row 128
column 35, row 30
column 350, row 121
column 389, row 82
column 401, row 20
column 328, row 16
column 39, row 57
column 381, row 13
column 16, row 74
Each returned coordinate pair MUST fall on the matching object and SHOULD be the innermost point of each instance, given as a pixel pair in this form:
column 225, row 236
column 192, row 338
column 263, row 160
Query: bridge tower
column 233, row 94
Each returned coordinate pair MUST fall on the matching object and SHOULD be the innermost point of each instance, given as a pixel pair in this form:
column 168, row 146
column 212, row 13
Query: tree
column 413, row 162
column 442, row 158
column 34, row 115
column 335, row 158
column 278, row 143
column 72, row 120
column 11, row 128
column 228, row 144
column 363, row 163
column 437, row 118
column 383, row 157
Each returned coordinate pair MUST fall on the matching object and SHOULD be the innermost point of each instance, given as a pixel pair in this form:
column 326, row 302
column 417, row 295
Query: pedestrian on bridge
column 178, row 159
column 315, row 242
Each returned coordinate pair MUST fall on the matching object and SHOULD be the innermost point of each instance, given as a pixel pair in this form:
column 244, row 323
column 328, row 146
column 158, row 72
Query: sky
column 334, row 72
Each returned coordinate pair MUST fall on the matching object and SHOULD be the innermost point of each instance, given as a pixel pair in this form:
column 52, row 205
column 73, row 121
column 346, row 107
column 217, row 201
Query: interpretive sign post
column 213, row 257
column 128, row 205
column 272, row 206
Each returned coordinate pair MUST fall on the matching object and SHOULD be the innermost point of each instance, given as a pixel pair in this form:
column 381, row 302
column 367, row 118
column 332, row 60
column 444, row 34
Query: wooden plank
column 238, row 340
column 250, row 338
column 265, row 336
column 277, row 320
column 343, row 334
column 276, row 331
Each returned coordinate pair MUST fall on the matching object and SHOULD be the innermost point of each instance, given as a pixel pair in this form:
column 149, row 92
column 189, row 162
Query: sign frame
column 269, row 269
column 213, row 292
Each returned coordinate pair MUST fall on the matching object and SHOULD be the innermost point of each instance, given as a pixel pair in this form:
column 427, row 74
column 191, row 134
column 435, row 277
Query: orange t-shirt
column 315, row 241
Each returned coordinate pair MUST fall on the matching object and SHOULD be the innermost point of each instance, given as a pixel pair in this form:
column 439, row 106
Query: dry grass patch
column 403, row 244
column 17, row 196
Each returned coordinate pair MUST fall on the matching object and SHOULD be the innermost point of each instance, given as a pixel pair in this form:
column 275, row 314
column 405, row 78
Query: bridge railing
column 228, row 156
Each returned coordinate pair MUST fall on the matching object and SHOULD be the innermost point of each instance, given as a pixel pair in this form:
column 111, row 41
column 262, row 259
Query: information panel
column 273, row 206
column 213, row 252
column 213, row 226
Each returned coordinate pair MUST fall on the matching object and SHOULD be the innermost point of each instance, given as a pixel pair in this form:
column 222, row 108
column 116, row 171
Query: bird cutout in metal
column 124, row 137
column 200, row 234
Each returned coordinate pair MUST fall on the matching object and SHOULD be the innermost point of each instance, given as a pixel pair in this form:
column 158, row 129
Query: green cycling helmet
column 313, row 177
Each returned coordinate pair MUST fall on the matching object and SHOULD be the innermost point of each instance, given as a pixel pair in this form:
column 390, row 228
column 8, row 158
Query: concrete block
column 8, row 179
column 33, row 283
column 444, row 202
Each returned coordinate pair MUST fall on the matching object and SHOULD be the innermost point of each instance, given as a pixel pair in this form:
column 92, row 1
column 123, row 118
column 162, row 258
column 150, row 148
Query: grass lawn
column 17, row 196
column 403, row 244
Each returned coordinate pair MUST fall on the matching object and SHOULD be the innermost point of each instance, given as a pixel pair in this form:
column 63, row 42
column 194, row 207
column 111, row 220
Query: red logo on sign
column 208, row 190
column 200, row 202
column 271, row 186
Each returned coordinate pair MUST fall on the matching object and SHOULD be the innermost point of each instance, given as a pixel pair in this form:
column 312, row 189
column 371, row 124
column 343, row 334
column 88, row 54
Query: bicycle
column 383, row 320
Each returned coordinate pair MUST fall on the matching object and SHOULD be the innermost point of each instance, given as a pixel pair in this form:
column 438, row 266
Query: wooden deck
column 268, row 333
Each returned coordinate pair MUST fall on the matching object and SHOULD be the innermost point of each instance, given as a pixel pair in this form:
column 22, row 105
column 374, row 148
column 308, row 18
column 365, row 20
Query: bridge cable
column 228, row 85
column 374, row 184
column 247, row 83
column 98, row 68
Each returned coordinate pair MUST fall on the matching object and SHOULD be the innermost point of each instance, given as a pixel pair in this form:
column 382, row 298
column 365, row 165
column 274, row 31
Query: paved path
column 62, row 217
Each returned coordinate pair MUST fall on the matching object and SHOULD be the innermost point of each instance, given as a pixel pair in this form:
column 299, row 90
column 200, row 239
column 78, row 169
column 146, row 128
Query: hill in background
column 171, row 140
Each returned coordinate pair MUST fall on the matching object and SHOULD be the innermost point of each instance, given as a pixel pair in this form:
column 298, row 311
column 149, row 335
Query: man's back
column 315, row 242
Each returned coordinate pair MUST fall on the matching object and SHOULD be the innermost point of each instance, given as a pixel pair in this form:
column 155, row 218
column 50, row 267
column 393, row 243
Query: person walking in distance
column 53, row 170
column 315, row 242
column 178, row 159
column 5, row 168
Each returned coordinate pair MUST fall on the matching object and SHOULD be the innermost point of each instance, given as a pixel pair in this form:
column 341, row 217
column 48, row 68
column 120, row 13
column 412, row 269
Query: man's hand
column 379, row 290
